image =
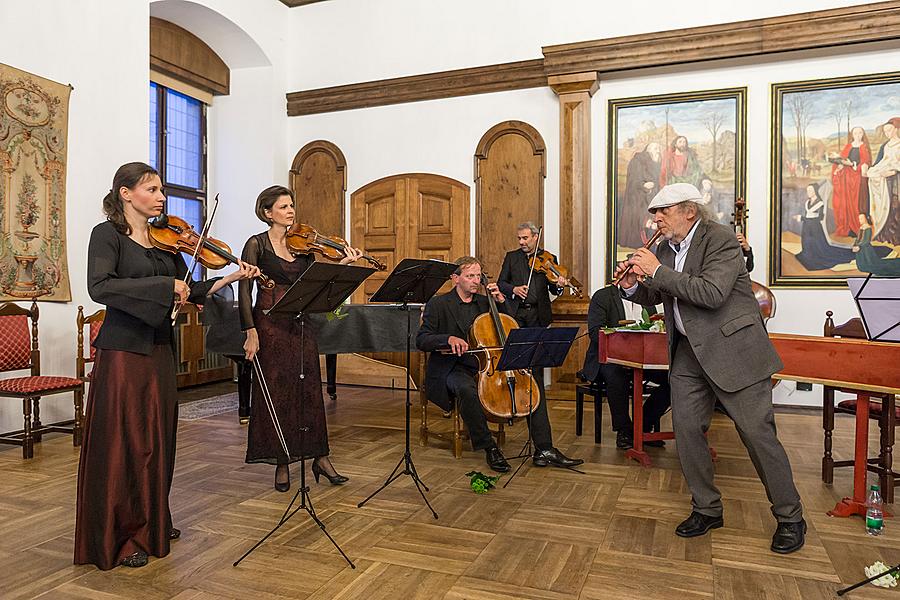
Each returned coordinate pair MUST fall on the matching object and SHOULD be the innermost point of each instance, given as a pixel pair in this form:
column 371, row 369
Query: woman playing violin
column 128, row 454
column 281, row 344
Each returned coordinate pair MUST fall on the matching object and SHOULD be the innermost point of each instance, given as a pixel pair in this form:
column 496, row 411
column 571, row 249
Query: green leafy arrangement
column 337, row 313
column 481, row 483
column 648, row 323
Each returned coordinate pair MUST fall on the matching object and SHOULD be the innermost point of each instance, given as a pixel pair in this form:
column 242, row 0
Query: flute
column 649, row 243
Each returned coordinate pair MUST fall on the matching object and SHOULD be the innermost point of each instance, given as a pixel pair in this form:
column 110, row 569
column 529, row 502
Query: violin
column 504, row 395
column 764, row 296
column 303, row 238
column 173, row 234
column 544, row 263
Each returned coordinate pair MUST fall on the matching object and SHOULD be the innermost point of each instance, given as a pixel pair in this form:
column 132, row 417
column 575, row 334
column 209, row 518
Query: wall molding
column 803, row 31
column 874, row 22
column 431, row 86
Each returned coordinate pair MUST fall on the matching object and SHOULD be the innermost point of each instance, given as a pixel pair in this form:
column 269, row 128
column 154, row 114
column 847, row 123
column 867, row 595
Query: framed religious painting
column 693, row 137
column 835, row 180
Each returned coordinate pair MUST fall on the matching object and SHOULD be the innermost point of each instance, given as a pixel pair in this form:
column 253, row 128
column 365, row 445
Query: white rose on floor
column 887, row 581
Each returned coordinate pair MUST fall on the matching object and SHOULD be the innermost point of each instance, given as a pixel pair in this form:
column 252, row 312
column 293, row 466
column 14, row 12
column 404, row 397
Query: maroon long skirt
column 127, row 458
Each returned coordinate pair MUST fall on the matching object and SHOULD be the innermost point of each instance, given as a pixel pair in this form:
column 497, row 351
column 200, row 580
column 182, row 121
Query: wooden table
column 849, row 364
column 638, row 350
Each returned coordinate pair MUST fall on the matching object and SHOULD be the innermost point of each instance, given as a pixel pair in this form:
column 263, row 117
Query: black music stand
column 878, row 302
column 413, row 281
column 529, row 348
column 321, row 288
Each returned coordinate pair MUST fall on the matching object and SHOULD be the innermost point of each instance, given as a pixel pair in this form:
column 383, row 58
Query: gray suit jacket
column 720, row 314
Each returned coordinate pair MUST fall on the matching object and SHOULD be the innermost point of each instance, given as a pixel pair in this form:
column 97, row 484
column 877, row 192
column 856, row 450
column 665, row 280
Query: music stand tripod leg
column 303, row 491
column 409, row 468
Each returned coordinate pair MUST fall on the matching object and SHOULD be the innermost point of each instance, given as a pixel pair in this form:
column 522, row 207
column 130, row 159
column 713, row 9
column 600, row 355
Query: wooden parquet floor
column 551, row 535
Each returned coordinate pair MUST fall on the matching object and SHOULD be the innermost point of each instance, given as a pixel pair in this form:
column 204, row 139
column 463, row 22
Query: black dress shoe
column 624, row 440
column 138, row 559
column 495, row 460
column 789, row 537
column 698, row 524
column 174, row 534
column 542, row 458
column 282, row 478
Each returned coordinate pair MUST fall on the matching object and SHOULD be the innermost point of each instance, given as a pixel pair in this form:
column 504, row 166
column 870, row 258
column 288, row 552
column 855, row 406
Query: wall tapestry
column 34, row 115
column 835, row 180
column 693, row 137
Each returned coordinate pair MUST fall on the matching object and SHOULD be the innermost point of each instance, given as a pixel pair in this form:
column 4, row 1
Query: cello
column 504, row 395
column 764, row 296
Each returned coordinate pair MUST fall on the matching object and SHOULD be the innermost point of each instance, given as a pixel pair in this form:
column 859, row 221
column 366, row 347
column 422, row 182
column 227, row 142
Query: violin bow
column 204, row 234
column 533, row 260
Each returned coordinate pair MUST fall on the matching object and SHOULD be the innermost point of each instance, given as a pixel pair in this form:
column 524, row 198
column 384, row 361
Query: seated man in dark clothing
column 606, row 310
column 451, row 372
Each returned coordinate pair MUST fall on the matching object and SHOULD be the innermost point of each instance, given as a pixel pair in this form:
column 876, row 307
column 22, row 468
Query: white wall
column 347, row 41
column 102, row 49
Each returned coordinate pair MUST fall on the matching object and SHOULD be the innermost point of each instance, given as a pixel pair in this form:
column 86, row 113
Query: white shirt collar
column 686, row 242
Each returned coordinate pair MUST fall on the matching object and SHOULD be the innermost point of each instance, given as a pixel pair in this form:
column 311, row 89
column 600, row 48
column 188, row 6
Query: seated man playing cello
column 452, row 370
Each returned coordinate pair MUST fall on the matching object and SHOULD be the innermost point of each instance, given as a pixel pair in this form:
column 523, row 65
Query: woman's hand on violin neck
column 251, row 344
column 182, row 291
column 521, row 291
column 351, row 255
column 244, row 271
column 458, row 346
column 562, row 281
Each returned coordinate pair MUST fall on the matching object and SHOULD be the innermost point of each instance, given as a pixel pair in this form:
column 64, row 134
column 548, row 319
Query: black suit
column 606, row 310
column 453, row 377
column 535, row 311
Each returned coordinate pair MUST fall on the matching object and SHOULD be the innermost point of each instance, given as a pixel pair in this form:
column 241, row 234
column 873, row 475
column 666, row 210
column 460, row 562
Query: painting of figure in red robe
column 835, row 178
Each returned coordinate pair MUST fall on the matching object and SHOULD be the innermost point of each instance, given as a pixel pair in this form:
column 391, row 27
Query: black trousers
column 617, row 378
column 462, row 385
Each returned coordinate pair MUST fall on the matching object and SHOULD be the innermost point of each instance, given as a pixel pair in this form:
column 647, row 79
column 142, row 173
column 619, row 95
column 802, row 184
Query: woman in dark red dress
column 128, row 454
column 285, row 349
column 848, row 172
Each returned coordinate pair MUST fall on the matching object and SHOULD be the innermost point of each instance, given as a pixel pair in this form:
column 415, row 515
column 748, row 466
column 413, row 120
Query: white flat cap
column 676, row 193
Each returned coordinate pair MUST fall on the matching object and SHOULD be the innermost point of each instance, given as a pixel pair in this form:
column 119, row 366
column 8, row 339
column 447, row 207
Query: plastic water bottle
column 874, row 512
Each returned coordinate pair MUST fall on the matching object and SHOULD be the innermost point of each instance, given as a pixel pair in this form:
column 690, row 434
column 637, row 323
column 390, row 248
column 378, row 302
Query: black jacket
column 439, row 322
column 606, row 310
column 137, row 285
column 514, row 272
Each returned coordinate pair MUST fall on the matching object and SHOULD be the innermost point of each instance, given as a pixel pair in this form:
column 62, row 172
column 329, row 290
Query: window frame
column 199, row 194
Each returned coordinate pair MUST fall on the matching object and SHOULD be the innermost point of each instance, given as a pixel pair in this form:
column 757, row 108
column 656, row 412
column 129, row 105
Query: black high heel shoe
column 283, row 486
column 336, row 479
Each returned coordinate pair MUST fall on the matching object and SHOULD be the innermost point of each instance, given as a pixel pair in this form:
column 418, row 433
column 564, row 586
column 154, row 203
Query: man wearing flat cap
column 718, row 349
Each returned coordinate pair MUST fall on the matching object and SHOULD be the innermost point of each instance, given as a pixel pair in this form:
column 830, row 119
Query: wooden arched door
column 413, row 215
column 318, row 178
column 510, row 168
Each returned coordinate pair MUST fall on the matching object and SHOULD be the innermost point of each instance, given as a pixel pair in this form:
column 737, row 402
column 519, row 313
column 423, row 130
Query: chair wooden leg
column 78, row 427
column 828, row 426
column 36, row 425
column 579, row 410
column 598, row 417
column 887, row 448
column 28, row 440
column 457, row 432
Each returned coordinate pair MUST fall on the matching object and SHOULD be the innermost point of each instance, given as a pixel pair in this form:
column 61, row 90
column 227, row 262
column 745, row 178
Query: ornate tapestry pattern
column 34, row 115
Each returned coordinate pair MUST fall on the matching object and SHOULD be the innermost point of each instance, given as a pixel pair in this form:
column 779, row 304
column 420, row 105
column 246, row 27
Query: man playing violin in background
column 528, row 304
column 451, row 375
